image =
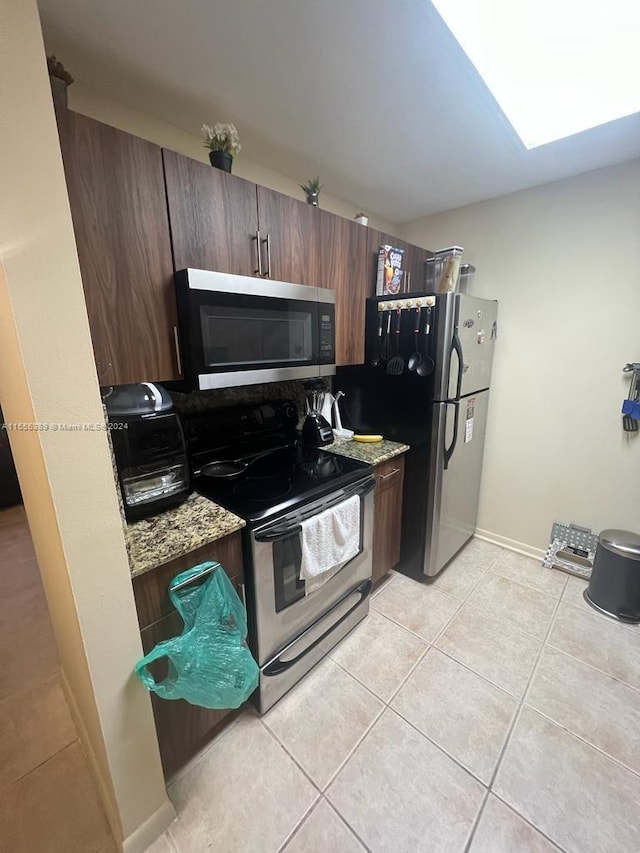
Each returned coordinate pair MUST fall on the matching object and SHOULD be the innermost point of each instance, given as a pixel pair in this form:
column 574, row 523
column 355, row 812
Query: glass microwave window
column 248, row 336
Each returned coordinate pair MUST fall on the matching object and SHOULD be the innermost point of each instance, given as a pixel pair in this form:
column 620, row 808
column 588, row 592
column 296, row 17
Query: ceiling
column 375, row 96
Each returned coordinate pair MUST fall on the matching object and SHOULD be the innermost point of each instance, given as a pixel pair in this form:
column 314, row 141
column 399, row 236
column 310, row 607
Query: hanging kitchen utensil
column 416, row 358
column 377, row 356
column 385, row 349
column 396, row 366
column 631, row 406
column 427, row 364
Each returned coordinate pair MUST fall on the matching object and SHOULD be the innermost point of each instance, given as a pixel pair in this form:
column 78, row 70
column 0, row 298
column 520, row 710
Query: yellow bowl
column 367, row 438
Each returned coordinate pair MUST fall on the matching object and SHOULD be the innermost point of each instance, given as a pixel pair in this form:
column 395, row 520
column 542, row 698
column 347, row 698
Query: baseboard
column 150, row 830
column 106, row 794
column 510, row 544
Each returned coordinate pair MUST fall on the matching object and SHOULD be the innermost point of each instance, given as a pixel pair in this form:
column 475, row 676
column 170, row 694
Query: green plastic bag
column 209, row 663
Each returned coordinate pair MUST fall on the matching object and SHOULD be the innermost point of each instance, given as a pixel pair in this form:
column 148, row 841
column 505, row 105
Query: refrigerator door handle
column 456, row 346
column 448, row 451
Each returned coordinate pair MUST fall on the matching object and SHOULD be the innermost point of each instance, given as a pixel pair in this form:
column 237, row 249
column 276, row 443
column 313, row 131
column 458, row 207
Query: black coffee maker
column 316, row 430
column 149, row 447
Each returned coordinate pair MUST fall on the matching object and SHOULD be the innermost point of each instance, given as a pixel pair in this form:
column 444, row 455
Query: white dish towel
column 330, row 539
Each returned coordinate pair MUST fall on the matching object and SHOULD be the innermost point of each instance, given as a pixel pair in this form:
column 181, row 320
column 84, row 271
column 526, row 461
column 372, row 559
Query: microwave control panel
column 326, row 337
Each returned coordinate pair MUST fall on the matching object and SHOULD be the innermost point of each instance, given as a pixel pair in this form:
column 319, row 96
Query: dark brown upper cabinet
column 117, row 196
column 345, row 269
column 213, row 215
column 290, row 237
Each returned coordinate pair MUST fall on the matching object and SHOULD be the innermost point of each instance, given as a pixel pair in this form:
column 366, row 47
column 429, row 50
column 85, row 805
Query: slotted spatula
column 396, row 366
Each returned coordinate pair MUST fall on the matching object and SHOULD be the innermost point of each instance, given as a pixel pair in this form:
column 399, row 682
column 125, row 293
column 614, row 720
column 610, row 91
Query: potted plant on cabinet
column 59, row 78
column 223, row 143
column 312, row 190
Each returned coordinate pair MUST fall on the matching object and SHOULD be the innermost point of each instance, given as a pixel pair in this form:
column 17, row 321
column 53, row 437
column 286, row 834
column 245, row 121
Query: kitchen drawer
column 151, row 588
column 389, row 474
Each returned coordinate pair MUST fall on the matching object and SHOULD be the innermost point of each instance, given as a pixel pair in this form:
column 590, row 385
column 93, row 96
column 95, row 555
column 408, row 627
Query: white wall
column 564, row 262
column 47, row 375
column 89, row 103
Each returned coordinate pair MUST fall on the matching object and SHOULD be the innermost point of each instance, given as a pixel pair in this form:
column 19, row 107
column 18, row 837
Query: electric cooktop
column 286, row 474
column 282, row 480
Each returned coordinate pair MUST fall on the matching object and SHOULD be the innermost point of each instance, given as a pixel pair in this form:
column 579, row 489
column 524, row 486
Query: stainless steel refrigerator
column 441, row 415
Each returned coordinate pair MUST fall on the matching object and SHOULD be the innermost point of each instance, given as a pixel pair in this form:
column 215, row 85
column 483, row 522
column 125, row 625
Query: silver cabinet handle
column 244, row 600
column 210, row 567
column 390, row 474
column 256, row 237
column 267, row 241
column 177, row 346
column 408, row 281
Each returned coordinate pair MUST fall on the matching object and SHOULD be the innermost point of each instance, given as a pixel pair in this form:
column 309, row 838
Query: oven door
column 238, row 330
column 282, row 608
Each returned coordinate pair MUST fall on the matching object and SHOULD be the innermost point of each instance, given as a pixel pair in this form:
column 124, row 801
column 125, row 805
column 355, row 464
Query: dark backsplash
column 206, row 401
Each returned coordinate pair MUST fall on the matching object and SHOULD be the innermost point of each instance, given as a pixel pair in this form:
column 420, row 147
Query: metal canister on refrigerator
column 465, row 279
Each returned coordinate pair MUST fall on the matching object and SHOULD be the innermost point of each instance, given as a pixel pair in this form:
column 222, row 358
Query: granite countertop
column 174, row 532
column 372, row 452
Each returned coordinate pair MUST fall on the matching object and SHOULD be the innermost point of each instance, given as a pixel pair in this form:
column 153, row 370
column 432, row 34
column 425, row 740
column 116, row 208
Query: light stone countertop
column 174, row 532
column 372, row 452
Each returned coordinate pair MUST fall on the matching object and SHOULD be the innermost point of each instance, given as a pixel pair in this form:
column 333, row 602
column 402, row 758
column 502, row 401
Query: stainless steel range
column 275, row 484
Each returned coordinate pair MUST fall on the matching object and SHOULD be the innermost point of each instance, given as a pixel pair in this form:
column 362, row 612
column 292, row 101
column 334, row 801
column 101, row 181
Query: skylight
column 555, row 67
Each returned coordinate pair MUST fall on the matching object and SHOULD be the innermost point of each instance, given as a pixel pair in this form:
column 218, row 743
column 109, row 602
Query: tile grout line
column 495, row 570
column 288, row 753
column 299, row 824
column 313, row 808
column 583, row 740
column 479, row 675
column 36, row 767
column 592, row 666
column 528, row 822
column 199, row 756
column 514, row 722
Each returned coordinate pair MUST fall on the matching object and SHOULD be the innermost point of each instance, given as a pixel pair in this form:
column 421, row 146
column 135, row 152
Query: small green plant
column 57, row 69
column 312, row 187
column 221, row 137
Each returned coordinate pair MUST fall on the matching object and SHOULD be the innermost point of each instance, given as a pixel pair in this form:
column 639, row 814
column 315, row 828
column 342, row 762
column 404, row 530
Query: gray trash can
column 614, row 587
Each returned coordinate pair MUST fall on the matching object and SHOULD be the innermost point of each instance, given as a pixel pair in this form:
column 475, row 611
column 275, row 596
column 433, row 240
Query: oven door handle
column 276, row 666
column 280, row 531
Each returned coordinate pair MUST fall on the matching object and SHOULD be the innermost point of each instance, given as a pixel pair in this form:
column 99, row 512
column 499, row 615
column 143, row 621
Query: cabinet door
column 182, row 728
column 213, row 215
column 290, row 231
column 344, row 268
column 388, row 516
column 117, row 197
column 415, row 259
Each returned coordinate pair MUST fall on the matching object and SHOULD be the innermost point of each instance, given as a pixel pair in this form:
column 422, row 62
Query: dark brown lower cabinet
column 388, row 516
column 182, row 728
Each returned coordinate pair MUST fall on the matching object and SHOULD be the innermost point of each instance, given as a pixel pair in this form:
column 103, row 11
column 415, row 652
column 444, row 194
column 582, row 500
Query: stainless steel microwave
column 238, row 330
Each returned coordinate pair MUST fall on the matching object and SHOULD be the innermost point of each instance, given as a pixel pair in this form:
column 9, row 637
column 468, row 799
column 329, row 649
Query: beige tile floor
column 491, row 711
column 48, row 799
